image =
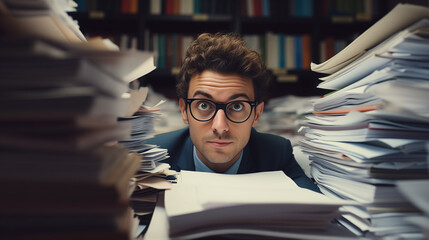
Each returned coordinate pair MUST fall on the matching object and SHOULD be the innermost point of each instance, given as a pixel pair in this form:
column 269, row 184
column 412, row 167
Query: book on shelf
column 127, row 42
column 348, row 11
column 129, row 6
column 171, row 49
column 96, row 8
column 282, row 51
column 190, row 7
column 330, row 46
column 276, row 8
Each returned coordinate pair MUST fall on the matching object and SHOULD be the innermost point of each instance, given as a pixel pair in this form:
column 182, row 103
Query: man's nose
column 220, row 122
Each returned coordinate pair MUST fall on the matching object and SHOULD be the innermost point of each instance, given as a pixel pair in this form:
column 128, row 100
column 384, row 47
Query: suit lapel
column 247, row 162
column 185, row 160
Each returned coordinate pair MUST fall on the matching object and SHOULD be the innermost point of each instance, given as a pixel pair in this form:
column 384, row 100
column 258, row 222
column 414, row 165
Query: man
column 221, row 88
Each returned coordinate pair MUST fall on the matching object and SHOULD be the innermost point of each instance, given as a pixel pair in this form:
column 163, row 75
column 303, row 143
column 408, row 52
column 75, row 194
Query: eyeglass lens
column 237, row 111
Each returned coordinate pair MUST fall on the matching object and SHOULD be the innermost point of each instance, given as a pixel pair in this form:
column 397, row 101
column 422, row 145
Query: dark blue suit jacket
column 264, row 152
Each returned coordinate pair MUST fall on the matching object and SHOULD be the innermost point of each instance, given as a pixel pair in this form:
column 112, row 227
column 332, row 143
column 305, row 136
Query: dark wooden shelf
column 189, row 24
column 298, row 82
column 112, row 23
column 190, row 18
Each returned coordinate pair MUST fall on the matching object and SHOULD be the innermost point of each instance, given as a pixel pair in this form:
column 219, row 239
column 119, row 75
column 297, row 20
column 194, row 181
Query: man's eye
column 203, row 106
column 237, row 107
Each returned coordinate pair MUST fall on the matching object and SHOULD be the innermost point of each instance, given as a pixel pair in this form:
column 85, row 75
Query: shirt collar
column 201, row 167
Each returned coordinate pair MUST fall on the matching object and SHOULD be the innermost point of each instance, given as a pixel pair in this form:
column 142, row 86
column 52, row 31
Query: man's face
column 219, row 141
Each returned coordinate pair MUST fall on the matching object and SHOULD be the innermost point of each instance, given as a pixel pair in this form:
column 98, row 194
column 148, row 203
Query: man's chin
column 219, row 160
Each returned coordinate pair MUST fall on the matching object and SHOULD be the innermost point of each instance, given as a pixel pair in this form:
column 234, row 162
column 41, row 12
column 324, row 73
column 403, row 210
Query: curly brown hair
column 223, row 53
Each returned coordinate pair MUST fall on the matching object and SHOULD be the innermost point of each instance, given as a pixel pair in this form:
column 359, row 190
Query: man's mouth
column 219, row 143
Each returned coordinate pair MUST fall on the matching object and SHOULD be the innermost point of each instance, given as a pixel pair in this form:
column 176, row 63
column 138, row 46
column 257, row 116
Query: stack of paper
column 281, row 116
column 63, row 175
column 41, row 18
column 141, row 119
column 258, row 205
column 416, row 192
column 373, row 129
column 153, row 175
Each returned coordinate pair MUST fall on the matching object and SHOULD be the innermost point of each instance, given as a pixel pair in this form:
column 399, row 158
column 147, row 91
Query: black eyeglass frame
column 222, row 106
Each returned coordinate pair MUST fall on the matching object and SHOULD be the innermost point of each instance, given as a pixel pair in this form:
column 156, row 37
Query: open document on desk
column 265, row 204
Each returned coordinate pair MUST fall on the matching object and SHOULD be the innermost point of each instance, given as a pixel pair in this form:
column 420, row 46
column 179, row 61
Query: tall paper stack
column 63, row 175
column 373, row 129
column 153, row 175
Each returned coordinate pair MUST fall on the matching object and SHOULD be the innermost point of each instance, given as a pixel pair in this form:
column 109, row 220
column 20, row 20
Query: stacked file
column 153, row 175
column 63, row 175
column 141, row 118
column 281, row 116
column 263, row 205
column 416, row 192
column 373, row 130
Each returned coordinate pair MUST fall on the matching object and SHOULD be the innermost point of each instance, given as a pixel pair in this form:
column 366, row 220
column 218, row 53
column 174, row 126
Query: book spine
column 272, row 46
column 298, row 51
column 155, row 7
column 262, row 47
column 179, row 50
column 250, row 11
column 282, row 56
column 176, row 7
column 197, row 7
column 257, row 8
column 290, row 52
column 134, row 7
column 169, row 7
column 243, row 8
column 81, row 6
column 330, row 49
column 162, row 51
column 125, row 6
column 169, row 51
column 306, row 51
column 174, row 52
column 322, row 54
column 266, row 8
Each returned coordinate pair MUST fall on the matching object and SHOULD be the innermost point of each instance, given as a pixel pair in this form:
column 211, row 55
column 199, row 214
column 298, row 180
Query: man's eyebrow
column 235, row 96
column 203, row 93
column 239, row 95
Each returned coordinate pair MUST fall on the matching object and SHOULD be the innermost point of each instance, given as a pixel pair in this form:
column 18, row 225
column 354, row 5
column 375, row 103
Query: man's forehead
column 210, row 79
column 221, row 91
column 230, row 97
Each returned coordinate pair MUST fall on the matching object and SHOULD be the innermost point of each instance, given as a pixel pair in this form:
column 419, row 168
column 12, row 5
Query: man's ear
column 182, row 106
column 259, row 109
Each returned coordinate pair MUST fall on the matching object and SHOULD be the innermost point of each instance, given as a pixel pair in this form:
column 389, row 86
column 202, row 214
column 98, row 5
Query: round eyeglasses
column 204, row 110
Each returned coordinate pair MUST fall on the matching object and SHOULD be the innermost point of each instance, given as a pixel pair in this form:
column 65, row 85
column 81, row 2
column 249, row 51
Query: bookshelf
column 328, row 26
